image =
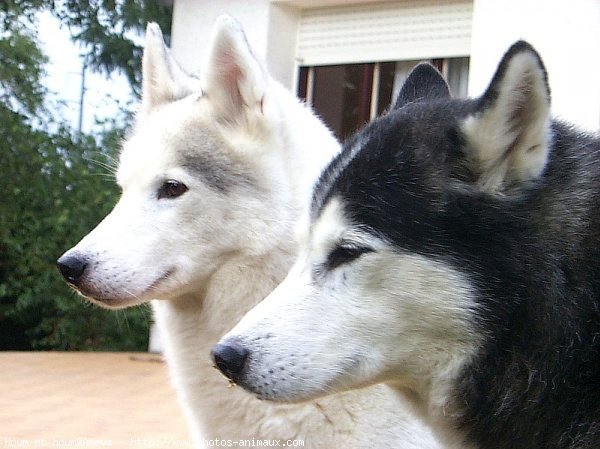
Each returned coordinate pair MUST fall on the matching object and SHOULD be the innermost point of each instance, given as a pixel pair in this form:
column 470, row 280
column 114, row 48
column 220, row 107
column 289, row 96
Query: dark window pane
column 387, row 70
column 342, row 96
column 458, row 76
column 438, row 64
column 302, row 82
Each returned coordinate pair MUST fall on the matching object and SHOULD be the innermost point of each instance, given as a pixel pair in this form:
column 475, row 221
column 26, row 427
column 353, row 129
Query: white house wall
column 311, row 32
column 270, row 28
column 567, row 35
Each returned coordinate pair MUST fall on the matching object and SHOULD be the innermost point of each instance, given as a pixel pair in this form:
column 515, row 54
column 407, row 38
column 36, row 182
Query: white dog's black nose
column 72, row 268
column 230, row 357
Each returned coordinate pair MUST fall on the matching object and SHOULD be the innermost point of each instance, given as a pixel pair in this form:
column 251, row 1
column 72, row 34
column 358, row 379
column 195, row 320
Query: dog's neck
column 434, row 398
column 194, row 322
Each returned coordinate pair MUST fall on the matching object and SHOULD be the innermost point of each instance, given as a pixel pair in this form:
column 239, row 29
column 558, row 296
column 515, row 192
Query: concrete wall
column 565, row 33
column 270, row 28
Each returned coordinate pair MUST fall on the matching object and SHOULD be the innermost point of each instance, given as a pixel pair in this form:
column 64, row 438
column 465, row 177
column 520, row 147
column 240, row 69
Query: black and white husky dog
column 453, row 253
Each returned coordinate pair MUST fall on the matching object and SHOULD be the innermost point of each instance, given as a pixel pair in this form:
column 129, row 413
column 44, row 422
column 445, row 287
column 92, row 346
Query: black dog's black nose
column 230, row 358
column 71, row 268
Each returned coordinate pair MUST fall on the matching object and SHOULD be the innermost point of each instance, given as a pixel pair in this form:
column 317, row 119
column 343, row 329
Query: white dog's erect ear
column 163, row 80
column 424, row 83
column 233, row 79
column 508, row 137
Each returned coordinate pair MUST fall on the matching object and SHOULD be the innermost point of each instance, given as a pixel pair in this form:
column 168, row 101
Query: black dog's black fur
column 532, row 251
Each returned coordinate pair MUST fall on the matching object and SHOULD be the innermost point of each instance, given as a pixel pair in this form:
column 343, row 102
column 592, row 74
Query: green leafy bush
column 55, row 188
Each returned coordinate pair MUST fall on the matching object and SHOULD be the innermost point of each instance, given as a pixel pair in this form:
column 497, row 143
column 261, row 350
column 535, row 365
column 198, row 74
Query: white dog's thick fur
column 215, row 177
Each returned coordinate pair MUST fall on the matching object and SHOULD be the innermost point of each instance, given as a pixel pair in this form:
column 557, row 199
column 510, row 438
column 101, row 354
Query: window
column 349, row 95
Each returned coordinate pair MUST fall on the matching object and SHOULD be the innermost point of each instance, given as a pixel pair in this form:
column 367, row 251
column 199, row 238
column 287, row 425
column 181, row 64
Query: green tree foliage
column 53, row 196
column 55, row 188
column 106, row 28
column 21, row 66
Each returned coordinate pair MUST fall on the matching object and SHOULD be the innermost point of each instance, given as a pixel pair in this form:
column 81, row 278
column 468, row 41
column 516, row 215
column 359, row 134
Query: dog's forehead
column 171, row 140
column 207, row 156
column 326, row 183
column 334, row 226
column 330, row 225
column 142, row 153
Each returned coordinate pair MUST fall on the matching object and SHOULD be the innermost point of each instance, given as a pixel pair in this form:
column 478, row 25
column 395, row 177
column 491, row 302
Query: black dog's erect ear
column 425, row 82
column 508, row 136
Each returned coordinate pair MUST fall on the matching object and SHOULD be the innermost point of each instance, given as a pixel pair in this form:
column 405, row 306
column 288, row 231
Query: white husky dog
column 215, row 177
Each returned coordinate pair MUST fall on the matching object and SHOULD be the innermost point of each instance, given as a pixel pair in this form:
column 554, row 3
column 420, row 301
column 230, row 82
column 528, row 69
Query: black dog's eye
column 345, row 254
column 171, row 189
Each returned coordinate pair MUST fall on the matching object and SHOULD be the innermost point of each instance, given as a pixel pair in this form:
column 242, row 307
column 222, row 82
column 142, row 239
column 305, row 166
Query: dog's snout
column 72, row 267
column 230, row 357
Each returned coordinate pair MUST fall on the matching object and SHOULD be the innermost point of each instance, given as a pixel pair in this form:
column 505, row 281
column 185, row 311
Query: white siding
column 401, row 30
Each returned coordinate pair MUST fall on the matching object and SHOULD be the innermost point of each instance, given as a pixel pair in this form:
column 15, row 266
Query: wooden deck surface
column 84, row 399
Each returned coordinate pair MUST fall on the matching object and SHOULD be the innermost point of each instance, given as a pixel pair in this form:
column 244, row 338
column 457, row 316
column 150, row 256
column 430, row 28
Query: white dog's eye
column 171, row 189
column 344, row 254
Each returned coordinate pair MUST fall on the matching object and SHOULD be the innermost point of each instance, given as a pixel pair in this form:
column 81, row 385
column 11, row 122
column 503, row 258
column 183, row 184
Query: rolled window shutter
column 394, row 31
